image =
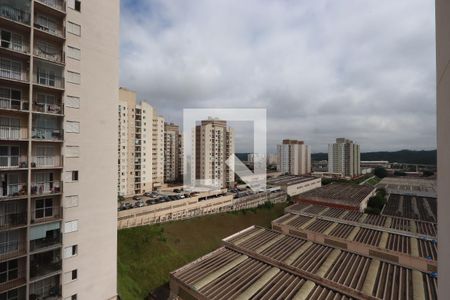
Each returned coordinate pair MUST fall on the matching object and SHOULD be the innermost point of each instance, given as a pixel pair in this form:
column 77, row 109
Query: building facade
column 173, row 153
column 443, row 140
column 58, row 82
column 139, row 146
column 213, row 144
column 294, row 158
column 344, row 157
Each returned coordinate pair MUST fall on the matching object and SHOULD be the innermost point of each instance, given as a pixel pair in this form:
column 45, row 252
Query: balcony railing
column 57, row 4
column 14, row 14
column 13, row 220
column 55, row 57
column 10, row 249
column 50, row 81
column 14, row 283
column 47, row 134
column 13, row 133
column 15, row 104
column 45, row 242
column 47, row 108
column 46, row 188
column 48, row 289
column 13, row 74
column 14, row 46
column 49, row 29
column 46, row 162
column 56, row 215
column 11, row 162
column 14, row 190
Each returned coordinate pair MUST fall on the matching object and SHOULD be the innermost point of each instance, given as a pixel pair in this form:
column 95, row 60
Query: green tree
column 380, row 172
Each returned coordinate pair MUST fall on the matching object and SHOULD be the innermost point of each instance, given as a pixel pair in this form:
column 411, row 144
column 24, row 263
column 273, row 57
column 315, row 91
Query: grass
column 147, row 254
column 373, row 181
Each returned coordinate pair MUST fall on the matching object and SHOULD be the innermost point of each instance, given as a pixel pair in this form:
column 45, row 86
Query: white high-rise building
column 213, row 144
column 344, row 157
column 58, row 107
column 139, row 149
column 294, row 157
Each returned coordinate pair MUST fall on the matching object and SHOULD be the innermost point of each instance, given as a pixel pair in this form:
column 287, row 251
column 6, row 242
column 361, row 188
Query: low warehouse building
column 295, row 185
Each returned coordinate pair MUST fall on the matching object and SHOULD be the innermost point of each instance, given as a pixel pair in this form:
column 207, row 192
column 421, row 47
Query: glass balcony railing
column 47, row 134
column 13, row 74
column 13, row 220
column 14, row 14
column 52, row 29
column 46, row 162
column 11, row 248
column 13, row 133
column 14, row 45
column 49, row 80
column 13, row 190
column 11, row 162
column 56, row 56
column 48, row 289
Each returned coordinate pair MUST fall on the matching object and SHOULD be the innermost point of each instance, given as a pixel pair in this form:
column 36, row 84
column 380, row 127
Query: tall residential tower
column 58, row 88
column 173, row 153
column 294, row 157
column 213, row 144
column 344, row 157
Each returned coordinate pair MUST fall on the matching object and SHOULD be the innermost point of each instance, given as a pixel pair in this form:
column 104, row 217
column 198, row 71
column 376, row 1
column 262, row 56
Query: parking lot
column 151, row 198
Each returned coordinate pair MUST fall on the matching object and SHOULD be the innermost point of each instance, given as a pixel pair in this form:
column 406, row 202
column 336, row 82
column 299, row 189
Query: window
column 46, row 23
column 9, row 241
column 10, row 295
column 71, row 176
column 72, row 101
column 75, row 4
column 74, row 274
column 43, row 208
column 47, row 77
column 71, row 201
column 72, row 151
column 10, row 68
column 9, row 156
column 70, row 251
column 74, row 175
column 71, row 226
column 73, row 77
column 72, row 127
column 73, row 52
column 11, row 40
column 9, row 270
column 74, row 28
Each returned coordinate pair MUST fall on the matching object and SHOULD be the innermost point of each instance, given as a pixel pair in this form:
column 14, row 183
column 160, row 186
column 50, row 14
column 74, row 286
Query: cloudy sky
column 364, row 70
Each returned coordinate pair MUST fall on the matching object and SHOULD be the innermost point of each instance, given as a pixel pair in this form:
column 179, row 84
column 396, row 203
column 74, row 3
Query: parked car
column 139, row 204
column 176, row 190
column 147, row 194
column 137, row 197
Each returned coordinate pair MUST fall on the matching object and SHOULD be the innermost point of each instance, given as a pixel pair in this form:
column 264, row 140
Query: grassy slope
column 147, row 254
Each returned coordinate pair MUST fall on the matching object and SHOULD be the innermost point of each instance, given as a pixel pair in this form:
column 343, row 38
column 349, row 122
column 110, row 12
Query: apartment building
column 139, row 151
column 59, row 67
column 344, row 157
column 443, row 140
column 158, row 151
column 173, row 153
column 294, row 157
column 213, row 144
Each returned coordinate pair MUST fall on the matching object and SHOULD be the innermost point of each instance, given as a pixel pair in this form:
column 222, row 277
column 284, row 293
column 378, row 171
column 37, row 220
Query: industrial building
column 259, row 263
column 340, row 195
column 295, row 185
column 409, row 186
column 412, row 207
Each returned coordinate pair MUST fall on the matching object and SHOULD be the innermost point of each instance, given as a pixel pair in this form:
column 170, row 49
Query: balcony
column 46, row 162
column 12, row 220
column 46, row 214
column 45, row 188
column 55, row 56
column 14, row 14
column 47, row 134
column 48, row 108
column 48, row 79
column 55, row 4
column 14, row 42
column 49, row 26
column 45, row 263
column 11, row 69
column 13, row 274
column 45, row 236
column 12, row 244
column 48, row 289
column 13, row 133
column 14, row 104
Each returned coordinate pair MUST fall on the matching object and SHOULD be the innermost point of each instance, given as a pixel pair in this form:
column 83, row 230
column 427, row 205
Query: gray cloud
column 360, row 69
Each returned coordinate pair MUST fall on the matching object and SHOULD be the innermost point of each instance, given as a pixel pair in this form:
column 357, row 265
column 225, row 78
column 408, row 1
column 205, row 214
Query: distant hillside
column 427, row 157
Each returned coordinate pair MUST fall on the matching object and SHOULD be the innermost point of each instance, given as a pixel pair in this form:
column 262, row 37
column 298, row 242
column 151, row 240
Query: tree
column 380, row 172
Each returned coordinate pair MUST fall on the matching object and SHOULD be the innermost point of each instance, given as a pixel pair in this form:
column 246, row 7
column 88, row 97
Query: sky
column 364, row 70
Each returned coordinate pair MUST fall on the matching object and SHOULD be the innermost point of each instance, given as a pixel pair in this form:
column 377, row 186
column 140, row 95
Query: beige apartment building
column 59, row 73
column 213, row 144
column 139, row 154
column 173, row 153
column 344, row 157
column 443, row 141
column 294, row 158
